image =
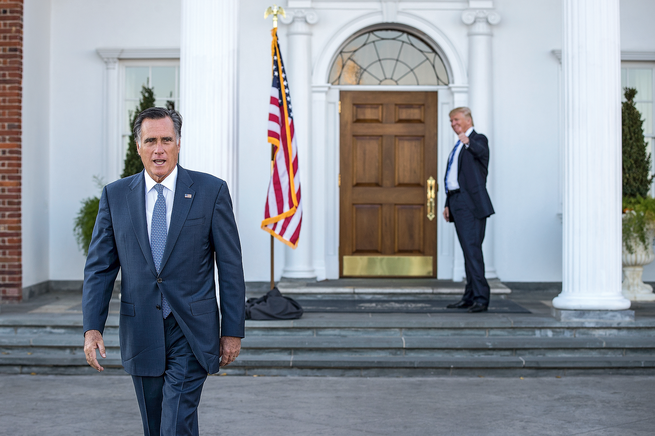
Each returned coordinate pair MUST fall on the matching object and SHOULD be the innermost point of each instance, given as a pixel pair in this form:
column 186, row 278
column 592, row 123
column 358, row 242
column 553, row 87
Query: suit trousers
column 169, row 403
column 470, row 232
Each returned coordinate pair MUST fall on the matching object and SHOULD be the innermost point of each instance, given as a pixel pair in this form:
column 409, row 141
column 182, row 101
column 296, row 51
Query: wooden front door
column 388, row 154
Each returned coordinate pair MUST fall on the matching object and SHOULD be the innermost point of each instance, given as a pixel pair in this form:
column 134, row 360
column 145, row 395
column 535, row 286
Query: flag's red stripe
column 277, row 187
column 296, row 235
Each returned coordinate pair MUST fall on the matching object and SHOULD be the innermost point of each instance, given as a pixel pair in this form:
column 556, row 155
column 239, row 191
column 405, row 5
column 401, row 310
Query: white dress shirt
column 151, row 197
column 452, row 181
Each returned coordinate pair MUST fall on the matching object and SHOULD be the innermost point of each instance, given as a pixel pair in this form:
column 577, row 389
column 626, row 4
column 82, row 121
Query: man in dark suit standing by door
column 468, row 205
column 164, row 228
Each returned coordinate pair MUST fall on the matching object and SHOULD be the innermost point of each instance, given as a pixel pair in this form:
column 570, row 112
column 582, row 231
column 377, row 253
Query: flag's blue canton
column 158, row 233
column 276, row 84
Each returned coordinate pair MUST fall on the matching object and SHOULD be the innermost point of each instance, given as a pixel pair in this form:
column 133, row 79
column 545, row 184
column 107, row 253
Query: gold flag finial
column 275, row 10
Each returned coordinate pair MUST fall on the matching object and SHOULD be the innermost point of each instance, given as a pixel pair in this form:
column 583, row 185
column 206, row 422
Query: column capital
column 480, row 19
column 300, row 20
column 300, row 16
column 109, row 56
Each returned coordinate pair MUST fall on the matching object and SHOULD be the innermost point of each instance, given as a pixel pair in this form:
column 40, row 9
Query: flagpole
column 272, row 238
column 274, row 10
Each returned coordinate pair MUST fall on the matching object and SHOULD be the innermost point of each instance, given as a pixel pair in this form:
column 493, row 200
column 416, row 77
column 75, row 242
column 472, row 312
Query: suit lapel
column 136, row 205
column 184, row 197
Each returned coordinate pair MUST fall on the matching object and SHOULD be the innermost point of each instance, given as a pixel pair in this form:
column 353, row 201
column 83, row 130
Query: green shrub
column 638, row 206
column 133, row 164
column 638, row 221
column 84, row 222
column 636, row 158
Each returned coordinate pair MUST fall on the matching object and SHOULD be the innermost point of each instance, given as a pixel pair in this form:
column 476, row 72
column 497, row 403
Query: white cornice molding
column 113, row 54
column 442, row 5
column 648, row 56
column 627, row 56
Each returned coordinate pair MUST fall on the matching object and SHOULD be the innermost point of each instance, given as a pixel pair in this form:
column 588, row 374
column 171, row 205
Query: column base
column 490, row 273
column 299, row 273
column 583, row 301
column 593, row 315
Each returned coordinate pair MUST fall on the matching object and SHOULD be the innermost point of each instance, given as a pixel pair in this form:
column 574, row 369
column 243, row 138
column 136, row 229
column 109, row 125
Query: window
column 162, row 76
column 641, row 76
column 388, row 57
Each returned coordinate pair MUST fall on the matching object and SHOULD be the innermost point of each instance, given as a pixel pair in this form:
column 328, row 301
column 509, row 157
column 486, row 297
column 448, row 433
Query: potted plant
column 638, row 205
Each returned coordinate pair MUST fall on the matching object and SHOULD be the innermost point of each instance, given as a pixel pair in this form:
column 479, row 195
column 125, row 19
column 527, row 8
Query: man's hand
column 229, row 349
column 92, row 340
column 446, row 214
column 462, row 137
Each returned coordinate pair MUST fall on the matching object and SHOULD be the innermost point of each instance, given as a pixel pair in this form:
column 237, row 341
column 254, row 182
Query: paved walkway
column 269, row 406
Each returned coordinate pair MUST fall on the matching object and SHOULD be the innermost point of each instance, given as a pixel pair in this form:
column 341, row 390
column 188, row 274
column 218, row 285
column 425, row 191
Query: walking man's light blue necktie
column 158, row 232
column 450, row 163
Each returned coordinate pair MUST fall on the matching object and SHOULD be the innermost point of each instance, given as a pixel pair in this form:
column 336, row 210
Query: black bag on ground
column 273, row 305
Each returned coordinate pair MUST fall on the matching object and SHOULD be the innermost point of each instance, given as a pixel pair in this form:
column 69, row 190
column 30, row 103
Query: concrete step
column 363, row 341
column 379, row 287
column 368, row 366
column 375, row 328
column 46, row 349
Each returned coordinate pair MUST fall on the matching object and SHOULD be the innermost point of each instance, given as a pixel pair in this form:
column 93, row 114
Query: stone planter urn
column 634, row 289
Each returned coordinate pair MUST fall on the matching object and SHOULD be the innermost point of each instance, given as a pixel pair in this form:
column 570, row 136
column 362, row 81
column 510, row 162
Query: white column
column 460, row 98
column 321, row 181
column 114, row 153
column 481, row 103
column 297, row 62
column 208, row 87
column 591, row 64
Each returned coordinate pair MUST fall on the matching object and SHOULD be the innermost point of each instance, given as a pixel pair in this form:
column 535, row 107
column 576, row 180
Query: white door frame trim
column 325, row 128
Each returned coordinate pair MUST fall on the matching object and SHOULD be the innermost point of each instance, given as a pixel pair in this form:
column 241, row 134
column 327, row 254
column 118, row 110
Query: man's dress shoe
column 477, row 307
column 461, row 304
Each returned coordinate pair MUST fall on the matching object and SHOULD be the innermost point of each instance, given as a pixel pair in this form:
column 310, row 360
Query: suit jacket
column 472, row 169
column 202, row 229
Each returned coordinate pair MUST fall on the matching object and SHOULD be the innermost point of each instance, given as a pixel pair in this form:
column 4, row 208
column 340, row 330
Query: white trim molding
column 111, row 118
column 325, row 122
column 626, row 56
column 138, row 53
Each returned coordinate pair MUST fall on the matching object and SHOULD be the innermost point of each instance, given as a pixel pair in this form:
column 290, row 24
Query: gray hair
column 157, row 113
column 464, row 111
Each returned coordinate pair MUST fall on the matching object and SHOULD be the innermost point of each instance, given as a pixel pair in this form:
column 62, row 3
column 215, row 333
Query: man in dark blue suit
column 468, row 205
column 164, row 228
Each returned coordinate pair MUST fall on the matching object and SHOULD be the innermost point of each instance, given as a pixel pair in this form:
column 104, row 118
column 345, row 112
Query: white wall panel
column 36, row 140
column 526, row 148
column 78, row 28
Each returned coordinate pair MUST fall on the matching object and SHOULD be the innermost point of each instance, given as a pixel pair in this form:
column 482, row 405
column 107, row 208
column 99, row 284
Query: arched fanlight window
column 388, row 57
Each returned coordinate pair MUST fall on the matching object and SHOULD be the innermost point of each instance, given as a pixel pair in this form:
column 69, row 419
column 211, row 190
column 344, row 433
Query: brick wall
column 11, row 91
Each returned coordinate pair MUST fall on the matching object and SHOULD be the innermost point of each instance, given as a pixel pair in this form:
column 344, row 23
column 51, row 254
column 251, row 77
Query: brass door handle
column 431, row 198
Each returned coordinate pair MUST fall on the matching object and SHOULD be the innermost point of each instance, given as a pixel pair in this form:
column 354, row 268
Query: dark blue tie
column 158, row 232
column 450, row 163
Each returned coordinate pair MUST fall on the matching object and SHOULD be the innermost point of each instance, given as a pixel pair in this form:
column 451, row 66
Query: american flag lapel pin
column 187, row 195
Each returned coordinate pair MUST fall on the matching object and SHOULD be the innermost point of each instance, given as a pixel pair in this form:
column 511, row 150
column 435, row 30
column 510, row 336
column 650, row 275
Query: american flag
column 283, row 213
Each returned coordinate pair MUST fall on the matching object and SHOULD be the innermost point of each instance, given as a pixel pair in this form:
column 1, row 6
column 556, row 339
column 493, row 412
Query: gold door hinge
column 339, row 180
column 339, row 106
